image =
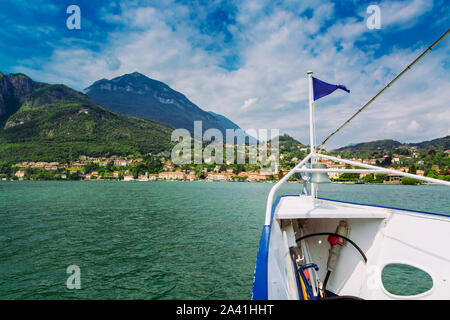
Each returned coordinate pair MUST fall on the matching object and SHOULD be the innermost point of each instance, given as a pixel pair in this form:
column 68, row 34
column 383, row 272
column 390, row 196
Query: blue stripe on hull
column 261, row 268
column 260, row 286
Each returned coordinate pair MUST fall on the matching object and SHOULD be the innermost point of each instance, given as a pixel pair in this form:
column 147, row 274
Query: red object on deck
column 306, row 273
column 333, row 240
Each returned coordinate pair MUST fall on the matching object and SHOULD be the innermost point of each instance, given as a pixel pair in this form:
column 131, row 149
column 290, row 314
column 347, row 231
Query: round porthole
column 405, row 280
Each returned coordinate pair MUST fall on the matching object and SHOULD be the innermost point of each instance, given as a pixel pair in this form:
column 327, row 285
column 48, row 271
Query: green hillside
column 440, row 144
column 437, row 144
column 373, row 146
column 55, row 122
column 288, row 144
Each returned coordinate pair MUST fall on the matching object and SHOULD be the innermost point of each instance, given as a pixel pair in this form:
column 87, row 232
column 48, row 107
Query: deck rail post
column 278, row 185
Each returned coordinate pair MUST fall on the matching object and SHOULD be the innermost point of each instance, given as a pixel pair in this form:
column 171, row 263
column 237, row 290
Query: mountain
column 439, row 144
column 44, row 122
column 390, row 145
column 378, row 145
column 12, row 88
column 288, row 144
column 225, row 122
column 228, row 124
column 137, row 95
column 287, row 140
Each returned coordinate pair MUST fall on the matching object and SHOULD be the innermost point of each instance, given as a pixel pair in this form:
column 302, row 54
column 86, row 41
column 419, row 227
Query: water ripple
column 155, row 240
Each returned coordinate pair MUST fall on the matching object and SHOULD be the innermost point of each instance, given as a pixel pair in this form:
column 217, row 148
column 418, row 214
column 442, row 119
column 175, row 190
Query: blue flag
column 322, row 89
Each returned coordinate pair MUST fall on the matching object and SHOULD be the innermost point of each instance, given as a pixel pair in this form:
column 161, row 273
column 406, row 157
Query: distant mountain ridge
column 287, row 143
column 287, row 139
column 44, row 122
column 226, row 123
column 12, row 88
column 386, row 144
column 389, row 145
column 137, row 95
column 439, row 143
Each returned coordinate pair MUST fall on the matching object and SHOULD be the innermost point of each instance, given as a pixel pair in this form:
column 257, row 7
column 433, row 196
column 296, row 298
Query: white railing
column 278, row 185
column 399, row 173
column 368, row 169
column 341, row 170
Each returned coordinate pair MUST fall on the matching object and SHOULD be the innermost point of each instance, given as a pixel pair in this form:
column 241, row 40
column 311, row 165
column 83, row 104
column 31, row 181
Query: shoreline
column 162, row 180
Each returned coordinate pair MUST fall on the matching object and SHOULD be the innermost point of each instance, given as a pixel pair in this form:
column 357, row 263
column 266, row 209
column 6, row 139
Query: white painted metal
column 406, row 237
column 279, row 286
column 350, row 267
column 307, row 256
column 294, row 207
column 311, row 104
column 290, row 273
column 277, row 186
column 298, row 168
column 414, row 239
column 400, row 173
column 311, row 125
column 342, row 170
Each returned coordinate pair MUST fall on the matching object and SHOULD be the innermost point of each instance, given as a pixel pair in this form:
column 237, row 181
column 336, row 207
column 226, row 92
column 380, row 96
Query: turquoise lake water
column 151, row 240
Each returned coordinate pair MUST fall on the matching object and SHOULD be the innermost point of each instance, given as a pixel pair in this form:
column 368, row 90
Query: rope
column 389, row 84
column 336, row 235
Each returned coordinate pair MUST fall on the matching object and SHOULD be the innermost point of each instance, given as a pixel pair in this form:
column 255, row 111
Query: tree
column 110, row 166
column 349, row 176
column 368, row 178
column 386, row 162
column 154, row 165
column 431, row 174
column 380, row 177
column 5, row 168
column 238, row 168
column 410, row 181
column 91, row 167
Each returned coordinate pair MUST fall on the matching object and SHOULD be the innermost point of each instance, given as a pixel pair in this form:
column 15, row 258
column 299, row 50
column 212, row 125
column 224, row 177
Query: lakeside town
column 160, row 167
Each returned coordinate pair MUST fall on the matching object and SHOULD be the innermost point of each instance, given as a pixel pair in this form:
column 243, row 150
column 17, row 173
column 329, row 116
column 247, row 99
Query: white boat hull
column 386, row 236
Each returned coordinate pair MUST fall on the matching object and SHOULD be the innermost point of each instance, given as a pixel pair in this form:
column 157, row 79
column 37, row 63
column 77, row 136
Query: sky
column 247, row 60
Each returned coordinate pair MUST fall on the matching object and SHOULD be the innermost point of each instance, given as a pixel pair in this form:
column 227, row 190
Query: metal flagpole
column 311, row 125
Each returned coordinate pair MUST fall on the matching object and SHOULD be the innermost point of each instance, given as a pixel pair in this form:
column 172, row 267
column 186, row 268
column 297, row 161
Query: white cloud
column 269, row 88
column 413, row 125
column 403, row 14
column 249, row 103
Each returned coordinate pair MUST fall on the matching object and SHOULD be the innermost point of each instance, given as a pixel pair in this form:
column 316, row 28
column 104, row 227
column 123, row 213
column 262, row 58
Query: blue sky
column 247, row 59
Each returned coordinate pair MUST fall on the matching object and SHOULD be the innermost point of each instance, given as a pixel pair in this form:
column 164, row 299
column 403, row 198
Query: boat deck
column 298, row 207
